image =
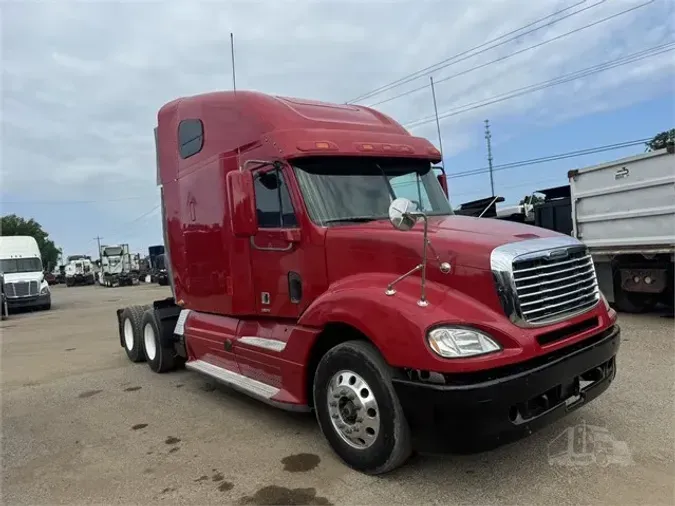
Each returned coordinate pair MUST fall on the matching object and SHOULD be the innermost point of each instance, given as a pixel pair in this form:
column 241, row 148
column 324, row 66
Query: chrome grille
column 554, row 284
column 21, row 289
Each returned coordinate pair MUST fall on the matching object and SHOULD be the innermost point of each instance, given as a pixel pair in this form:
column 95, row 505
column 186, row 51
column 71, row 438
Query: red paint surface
column 344, row 269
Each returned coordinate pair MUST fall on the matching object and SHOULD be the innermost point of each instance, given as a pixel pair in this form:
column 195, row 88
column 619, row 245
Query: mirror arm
column 421, row 267
column 390, row 287
column 423, row 298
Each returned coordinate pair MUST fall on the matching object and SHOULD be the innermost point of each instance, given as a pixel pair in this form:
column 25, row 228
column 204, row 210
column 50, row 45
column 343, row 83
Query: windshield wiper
column 352, row 219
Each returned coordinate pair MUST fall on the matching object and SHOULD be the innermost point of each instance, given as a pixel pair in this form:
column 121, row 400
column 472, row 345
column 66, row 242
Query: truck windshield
column 10, row 265
column 344, row 190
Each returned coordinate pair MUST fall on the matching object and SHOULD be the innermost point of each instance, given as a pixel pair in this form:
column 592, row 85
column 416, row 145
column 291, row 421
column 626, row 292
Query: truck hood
column 460, row 240
column 15, row 277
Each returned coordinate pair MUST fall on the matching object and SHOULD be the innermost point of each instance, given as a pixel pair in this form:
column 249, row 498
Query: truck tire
column 132, row 332
column 358, row 410
column 160, row 359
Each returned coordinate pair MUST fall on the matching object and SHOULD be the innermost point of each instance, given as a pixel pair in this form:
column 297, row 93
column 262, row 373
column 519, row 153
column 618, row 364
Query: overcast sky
column 82, row 83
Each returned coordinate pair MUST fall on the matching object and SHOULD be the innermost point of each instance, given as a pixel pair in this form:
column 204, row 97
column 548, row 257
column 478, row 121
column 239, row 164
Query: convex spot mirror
column 402, row 214
column 269, row 180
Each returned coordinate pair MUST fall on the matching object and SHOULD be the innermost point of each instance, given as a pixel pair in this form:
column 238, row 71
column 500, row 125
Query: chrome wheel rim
column 353, row 409
column 128, row 335
column 149, row 340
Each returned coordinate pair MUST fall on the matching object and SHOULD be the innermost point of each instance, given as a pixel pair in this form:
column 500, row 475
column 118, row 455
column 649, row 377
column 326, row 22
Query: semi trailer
column 316, row 264
column 624, row 211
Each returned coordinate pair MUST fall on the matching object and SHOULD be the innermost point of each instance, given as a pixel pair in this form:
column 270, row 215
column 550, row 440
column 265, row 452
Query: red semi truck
column 316, row 264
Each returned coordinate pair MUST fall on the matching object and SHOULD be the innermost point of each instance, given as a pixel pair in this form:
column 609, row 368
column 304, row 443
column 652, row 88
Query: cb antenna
column 234, row 77
column 234, row 88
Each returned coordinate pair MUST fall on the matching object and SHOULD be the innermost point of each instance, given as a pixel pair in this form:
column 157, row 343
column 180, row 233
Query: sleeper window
column 190, row 137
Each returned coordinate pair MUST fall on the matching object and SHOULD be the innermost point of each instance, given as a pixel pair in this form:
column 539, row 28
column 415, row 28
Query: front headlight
column 460, row 342
column 45, row 288
column 604, row 300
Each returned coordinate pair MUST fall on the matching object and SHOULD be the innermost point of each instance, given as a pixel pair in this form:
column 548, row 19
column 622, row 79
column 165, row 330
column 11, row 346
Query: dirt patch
column 273, row 494
column 89, row 393
column 300, row 463
column 139, row 426
column 225, row 486
column 172, row 440
column 132, row 389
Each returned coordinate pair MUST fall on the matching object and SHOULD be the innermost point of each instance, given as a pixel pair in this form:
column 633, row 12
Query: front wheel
column 358, row 410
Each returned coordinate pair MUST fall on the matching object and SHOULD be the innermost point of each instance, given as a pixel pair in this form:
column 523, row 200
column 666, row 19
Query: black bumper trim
column 29, row 301
column 477, row 416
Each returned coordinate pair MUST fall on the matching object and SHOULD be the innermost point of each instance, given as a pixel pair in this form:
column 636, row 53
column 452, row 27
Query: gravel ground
column 81, row 424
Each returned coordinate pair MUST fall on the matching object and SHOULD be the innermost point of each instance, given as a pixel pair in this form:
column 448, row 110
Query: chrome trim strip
column 262, row 342
column 249, row 386
column 501, row 263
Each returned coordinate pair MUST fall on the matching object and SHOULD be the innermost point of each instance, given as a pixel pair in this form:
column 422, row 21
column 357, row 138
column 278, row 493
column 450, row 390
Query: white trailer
column 119, row 266
column 624, row 211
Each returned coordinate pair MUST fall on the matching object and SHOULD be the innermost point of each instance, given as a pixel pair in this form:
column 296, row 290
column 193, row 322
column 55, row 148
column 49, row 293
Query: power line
column 565, row 78
column 436, row 66
column 510, row 55
column 135, row 220
column 72, row 201
column 534, row 161
column 511, row 187
column 551, row 158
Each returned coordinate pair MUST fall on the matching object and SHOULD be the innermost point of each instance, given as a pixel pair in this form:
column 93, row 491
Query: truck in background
column 316, row 264
column 79, row 270
column 25, row 286
column 119, row 266
column 154, row 253
column 161, row 273
column 624, row 211
column 4, row 310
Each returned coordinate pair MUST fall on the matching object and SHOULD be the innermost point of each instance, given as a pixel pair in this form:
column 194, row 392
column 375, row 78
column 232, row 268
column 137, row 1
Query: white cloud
column 82, row 81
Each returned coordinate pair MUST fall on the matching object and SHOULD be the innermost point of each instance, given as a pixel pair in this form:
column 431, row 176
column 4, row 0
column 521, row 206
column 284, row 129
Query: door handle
column 227, row 345
column 264, row 248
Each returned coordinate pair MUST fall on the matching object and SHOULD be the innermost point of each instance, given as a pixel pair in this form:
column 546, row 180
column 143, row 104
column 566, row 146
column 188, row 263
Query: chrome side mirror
column 403, row 214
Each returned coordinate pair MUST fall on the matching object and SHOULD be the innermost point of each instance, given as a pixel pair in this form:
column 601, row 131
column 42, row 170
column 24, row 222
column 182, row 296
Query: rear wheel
column 159, row 358
column 358, row 410
column 132, row 332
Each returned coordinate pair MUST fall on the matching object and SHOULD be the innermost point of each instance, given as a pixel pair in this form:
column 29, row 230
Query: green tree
column 531, row 199
column 661, row 140
column 15, row 225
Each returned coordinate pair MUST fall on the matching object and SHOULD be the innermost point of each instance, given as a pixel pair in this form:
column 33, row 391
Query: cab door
column 277, row 249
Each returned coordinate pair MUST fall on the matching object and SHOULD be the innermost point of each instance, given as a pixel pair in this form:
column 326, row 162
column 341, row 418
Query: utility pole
column 488, row 138
column 100, row 259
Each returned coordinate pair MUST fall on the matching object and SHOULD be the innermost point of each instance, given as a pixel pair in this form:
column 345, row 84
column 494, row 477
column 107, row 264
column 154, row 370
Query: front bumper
column 29, row 302
column 479, row 411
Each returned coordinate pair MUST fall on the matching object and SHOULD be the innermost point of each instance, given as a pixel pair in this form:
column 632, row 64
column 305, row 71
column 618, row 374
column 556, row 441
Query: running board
column 253, row 388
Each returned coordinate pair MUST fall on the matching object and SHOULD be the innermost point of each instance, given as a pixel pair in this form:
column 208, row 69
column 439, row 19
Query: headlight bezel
column 452, row 327
column 44, row 289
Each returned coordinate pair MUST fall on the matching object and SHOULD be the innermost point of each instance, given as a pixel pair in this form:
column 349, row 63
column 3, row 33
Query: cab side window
column 273, row 201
